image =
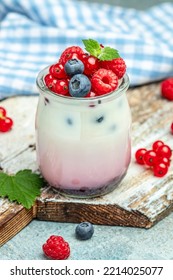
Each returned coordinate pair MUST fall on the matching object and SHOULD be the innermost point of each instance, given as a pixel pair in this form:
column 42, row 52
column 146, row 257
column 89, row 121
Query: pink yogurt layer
column 76, row 165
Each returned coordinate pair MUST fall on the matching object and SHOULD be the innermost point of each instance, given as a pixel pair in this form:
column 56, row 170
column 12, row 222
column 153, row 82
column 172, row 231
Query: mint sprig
column 94, row 48
column 23, row 187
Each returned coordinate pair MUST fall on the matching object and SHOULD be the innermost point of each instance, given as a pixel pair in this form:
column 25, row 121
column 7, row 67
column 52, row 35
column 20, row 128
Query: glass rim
column 123, row 86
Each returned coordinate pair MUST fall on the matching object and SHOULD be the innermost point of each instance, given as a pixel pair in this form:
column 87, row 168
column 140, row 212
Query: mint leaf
column 92, row 46
column 23, row 187
column 105, row 53
column 108, row 53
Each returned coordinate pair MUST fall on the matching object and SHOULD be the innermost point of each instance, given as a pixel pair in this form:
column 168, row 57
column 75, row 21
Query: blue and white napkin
column 34, row 33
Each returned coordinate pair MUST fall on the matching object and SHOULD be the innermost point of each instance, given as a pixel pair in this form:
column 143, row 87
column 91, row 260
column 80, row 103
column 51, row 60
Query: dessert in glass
column 83, row 125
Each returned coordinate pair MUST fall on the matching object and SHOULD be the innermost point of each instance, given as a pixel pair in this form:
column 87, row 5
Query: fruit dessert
column 83, row 121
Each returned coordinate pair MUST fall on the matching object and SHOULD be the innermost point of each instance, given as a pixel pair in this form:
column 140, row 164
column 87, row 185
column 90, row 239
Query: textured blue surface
column 107, row 242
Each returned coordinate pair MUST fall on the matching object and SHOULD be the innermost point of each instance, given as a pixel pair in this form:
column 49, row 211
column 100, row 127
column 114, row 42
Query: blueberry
column 69, row 121
column 84, row 231
column 74, row 66
column 100, row 119
column 79, row 85
column 46, row 101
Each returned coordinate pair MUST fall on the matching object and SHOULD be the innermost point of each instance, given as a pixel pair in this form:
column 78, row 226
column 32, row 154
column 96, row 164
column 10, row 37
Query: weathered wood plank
column 13, row 218
column 140, row 200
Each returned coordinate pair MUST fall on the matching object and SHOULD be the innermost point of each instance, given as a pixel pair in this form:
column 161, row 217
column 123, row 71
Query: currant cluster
column 158, row 158
column 80, row 74
column 6, row 123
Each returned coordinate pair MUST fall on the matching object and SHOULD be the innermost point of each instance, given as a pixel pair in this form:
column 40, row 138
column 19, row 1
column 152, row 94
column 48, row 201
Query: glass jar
column 83, row 144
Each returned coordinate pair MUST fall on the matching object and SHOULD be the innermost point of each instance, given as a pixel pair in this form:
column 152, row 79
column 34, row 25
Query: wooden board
column 140, row 200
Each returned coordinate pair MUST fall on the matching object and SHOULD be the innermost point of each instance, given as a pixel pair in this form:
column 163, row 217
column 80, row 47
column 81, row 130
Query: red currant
column 61, row 87
column 139, row 155
column 164, row 160
column 172, row 127
column 2, row 112
column 150, row 158
column 157, row 144
column 57, row 71
column 50, row 82
column 160, row 169
column 164, row 151
column 5, row 124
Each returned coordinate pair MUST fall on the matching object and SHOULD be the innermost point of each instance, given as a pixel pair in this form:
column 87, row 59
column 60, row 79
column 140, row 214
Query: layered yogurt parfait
column 83, row 121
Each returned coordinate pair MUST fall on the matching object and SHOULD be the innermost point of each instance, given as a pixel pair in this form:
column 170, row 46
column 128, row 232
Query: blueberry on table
column 84, row 231
column 79, row 85
column 74, row 66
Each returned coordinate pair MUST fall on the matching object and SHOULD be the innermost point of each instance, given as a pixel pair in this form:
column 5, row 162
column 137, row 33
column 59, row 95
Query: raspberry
column 117, row 65
column 56, row 248
column 167, row 89
column 6, row 123
column 70, row 53
column 91, row 64
column 104, row 81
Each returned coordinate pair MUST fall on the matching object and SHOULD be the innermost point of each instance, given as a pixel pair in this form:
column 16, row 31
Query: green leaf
column 92, row 46
column 23, row 187
column 108, row 53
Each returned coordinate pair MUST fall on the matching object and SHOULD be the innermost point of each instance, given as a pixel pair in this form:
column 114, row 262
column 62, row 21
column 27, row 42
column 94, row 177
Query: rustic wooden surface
column 141, row 199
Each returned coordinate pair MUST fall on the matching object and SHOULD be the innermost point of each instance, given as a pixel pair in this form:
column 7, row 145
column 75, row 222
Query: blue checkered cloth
column 34, row 33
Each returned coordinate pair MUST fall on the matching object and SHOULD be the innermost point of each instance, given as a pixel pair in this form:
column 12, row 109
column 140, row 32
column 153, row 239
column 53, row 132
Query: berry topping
column 6, row 123
column 101, row 64
column 79, row 85
column 117, row 65
column 61, row 87
column 56, row 248
column 50, row 82
column 167, row 89
column 91, row 94
column 91, row 64
column 69, row 53
column 84, row 231
column 57, row 71
column 104, row 81
column 74, row 66
column 139, row 155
